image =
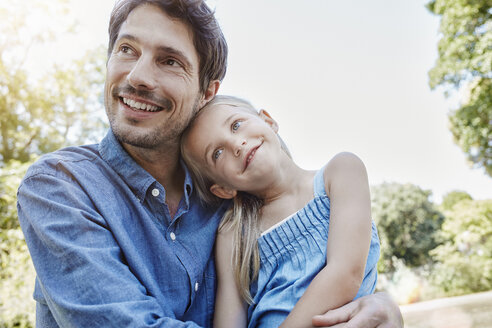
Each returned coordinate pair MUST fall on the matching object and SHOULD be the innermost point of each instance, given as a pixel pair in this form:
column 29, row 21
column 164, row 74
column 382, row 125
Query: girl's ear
column 223, row 192
column 268, row 119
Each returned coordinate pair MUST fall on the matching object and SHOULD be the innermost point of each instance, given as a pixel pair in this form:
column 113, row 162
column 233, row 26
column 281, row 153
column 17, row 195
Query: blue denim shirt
column 105, row 249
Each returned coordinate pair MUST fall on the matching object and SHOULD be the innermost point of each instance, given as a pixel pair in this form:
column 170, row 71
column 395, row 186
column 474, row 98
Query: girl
column 294, row 243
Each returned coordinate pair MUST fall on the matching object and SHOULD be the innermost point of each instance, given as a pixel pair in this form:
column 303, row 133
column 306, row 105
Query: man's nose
column 142, row 74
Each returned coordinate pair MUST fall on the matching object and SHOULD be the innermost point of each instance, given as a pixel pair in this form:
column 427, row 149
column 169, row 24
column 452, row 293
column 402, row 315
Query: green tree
column 38, row 114
column 16, row 271
column 465, row 64
column 407, row 222
column 464, row 260
column 452, row 198
column 61, row 108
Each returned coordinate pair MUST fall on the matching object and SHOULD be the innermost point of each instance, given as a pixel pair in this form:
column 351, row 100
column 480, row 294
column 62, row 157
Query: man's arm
column 81, row 269
column 372, row 311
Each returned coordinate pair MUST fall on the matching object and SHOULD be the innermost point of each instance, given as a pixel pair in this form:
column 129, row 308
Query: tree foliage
column 465, row 64
column 43, row 114
column 407, row 221
column 17, row 278
column 38, row 113
column 452, row 198
column 464, row 260
column 16, row 271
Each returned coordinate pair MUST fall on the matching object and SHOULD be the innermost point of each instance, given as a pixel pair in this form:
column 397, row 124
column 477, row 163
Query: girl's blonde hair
column 243, row 214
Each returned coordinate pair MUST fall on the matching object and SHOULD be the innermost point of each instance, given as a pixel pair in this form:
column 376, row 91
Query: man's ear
column 268, row 119
column 223, row 192
column 213, row 88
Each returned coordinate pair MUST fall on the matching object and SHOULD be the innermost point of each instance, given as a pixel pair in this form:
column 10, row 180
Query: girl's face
column 236, row 147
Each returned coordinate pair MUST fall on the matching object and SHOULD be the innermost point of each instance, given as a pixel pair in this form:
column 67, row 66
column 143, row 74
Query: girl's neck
column 288, row 180
column 283, row 178
column 292, row 190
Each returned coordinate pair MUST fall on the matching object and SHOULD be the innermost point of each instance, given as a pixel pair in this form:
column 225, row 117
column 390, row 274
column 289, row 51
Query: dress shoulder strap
column 319, row 183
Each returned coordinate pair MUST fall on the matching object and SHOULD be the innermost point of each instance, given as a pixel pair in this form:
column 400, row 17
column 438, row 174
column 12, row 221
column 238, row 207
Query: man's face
column 152, row 84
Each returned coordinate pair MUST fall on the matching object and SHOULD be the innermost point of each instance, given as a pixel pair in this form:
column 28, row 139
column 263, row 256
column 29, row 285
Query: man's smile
column 138, row 105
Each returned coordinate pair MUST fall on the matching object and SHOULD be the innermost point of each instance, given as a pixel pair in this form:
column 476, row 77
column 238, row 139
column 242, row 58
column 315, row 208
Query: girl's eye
column 217, row 154
column 236, row 125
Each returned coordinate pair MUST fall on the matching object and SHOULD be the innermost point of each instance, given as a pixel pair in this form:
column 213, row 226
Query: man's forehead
column 150, row 24
column 149, row 16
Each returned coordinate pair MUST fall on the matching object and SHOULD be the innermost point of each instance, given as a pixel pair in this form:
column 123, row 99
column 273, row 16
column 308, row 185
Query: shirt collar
column 133, row 174
column 188, row 184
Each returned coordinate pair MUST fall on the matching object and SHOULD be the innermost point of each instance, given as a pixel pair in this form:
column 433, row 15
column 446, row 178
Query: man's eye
column 125, row 49
column 217, row 154
column 236, row 125
column 171, row 62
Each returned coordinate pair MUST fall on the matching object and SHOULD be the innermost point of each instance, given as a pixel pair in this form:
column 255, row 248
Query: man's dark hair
column 208, row 39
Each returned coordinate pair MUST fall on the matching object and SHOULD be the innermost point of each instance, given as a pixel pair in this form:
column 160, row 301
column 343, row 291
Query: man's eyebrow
column 169, row 50
column 177, row 53
column 127, row 36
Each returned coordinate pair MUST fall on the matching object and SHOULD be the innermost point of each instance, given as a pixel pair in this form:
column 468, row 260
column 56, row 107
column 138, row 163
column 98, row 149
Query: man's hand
column 372, row 311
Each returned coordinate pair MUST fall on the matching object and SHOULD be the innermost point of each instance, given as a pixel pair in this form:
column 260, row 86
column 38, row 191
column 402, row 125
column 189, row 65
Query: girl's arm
column 230, row 309
column 348, row 242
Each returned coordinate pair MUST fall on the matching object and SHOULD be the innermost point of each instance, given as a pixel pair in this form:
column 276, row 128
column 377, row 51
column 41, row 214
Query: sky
column 336, row 76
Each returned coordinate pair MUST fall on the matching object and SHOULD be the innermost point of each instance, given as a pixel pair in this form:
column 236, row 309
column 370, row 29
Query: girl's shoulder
column 342, row 166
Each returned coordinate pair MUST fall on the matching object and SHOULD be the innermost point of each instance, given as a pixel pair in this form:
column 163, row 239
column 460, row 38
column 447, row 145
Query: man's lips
column 142, row 101
column 250, row 155
column 140, row 105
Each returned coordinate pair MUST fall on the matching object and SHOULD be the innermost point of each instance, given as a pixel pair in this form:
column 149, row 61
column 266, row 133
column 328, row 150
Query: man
column 117, row 235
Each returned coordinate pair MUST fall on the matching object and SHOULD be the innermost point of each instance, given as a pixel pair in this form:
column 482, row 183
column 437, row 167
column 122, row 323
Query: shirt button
column 196, row 286
column 155, row 192
column 173, row 236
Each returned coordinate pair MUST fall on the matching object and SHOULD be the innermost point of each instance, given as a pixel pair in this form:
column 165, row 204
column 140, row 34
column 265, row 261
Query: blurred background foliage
column 408, row 223
column 39, row 113
column 428, row 250
column 465, row 65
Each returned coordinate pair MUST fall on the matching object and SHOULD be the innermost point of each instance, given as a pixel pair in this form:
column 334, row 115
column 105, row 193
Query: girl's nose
column 239, row 147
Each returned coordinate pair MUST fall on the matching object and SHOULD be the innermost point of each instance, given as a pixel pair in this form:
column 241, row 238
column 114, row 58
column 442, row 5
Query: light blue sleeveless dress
column 292, row 254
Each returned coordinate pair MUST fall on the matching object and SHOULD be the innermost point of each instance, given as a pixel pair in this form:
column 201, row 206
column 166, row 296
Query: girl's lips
column 250, row 156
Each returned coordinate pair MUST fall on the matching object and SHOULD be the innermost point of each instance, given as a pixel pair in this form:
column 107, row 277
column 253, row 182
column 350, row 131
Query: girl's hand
column 372, row 311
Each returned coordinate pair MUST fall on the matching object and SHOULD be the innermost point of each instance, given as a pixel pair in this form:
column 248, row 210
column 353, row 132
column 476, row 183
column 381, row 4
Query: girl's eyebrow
column 207, row 150
column 226, row 123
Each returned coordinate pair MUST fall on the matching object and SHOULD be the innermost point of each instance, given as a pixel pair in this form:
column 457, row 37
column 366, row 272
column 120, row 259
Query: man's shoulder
column 66, row 157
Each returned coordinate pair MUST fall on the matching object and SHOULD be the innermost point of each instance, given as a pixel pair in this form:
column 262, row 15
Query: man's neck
column 165, row 167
